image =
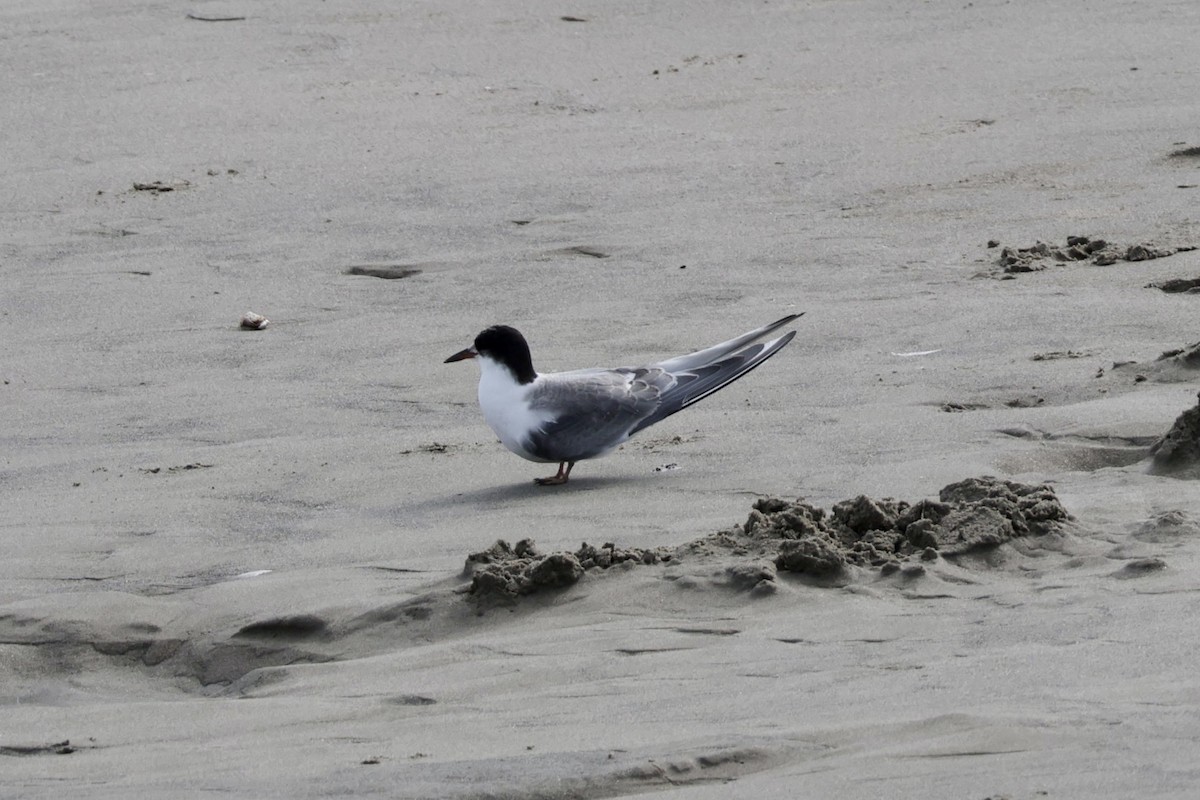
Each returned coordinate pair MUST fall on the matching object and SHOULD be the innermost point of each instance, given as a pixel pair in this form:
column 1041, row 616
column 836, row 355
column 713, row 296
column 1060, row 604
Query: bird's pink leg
column 564, row 472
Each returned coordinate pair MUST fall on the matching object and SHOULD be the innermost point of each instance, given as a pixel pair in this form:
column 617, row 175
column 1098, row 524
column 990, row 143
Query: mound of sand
column 1178, row 451
column 794, row 536
column 1174, row 366
column 1184, row 358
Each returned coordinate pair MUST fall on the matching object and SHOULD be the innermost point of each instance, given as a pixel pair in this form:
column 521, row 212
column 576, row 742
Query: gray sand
column 233, row 557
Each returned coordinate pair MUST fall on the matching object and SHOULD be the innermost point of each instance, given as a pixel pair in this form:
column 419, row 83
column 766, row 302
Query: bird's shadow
column 532, row 491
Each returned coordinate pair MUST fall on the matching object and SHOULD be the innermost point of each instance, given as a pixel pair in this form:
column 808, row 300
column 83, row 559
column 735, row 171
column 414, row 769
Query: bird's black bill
column 462, row 355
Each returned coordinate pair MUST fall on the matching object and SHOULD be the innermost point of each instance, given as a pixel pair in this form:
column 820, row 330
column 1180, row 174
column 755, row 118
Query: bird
column 566, row 417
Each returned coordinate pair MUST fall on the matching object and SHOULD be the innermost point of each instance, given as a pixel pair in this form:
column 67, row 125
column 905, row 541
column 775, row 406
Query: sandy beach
column 236, row 561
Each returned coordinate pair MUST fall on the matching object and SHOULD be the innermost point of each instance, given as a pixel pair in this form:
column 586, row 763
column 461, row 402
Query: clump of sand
column 1178, row 451
column 506, row 571
column 1079, row 248
column 793, row 536
column 970, row 515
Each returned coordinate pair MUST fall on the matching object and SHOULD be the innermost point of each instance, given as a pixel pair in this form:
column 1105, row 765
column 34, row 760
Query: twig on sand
column 199, row 18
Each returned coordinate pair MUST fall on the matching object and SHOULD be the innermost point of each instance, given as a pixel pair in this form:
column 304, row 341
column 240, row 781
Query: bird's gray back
column 594, row 410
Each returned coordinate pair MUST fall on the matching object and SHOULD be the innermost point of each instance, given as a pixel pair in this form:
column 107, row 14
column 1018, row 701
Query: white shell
column 254, row 322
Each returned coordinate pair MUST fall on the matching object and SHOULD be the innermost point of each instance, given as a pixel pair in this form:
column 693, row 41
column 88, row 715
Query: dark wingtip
column 779, row 323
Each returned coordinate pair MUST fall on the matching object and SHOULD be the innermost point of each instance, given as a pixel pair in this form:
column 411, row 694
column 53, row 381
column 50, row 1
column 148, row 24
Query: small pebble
column 254, row 322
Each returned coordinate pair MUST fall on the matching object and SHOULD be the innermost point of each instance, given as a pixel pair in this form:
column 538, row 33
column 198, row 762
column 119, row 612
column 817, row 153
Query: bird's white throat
column 505, row 405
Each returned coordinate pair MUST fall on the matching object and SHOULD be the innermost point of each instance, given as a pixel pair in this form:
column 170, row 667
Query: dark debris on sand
column 794, row 536
column 1013, row 260
column 1177, row 285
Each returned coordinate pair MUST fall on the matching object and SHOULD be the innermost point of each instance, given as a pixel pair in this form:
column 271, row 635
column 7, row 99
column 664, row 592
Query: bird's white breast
column 505, row 405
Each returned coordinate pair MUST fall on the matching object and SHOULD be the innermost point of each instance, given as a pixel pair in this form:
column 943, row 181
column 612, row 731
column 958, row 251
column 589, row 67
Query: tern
column 566, row 417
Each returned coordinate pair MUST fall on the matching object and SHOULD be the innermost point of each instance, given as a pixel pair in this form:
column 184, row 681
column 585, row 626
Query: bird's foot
column 564, row 472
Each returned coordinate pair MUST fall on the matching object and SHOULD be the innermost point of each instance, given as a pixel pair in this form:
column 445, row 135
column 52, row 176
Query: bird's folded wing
column 594, row 410
column 709, row 355
column 692, row 385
